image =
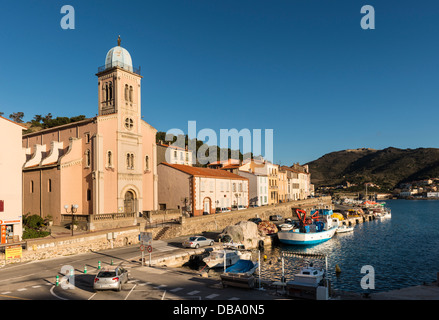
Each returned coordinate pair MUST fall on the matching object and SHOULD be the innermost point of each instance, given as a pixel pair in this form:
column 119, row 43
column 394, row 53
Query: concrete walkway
column 422, row 292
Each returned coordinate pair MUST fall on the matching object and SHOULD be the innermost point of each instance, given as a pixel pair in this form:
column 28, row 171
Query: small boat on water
column 217, row 258
column 344, row 228
column 385, row 215
column 240, row 274
column 318, row 228
column 308, row 275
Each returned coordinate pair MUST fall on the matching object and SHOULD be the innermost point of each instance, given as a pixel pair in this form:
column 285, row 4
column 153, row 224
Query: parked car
column 276, row 217
column 234, row 207
column 255, row 220
column 220, row 210
column 240, row 207
column 197, row 241
column 110, row 278
column 225, row 209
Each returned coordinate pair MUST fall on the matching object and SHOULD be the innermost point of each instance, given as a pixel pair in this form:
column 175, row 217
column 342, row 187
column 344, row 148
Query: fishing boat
column 344, row 228
column 218, row 258
column 317, row 228
column 240, row 274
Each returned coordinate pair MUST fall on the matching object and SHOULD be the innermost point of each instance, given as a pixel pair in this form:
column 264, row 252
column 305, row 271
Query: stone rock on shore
column 267, row 227
column 245, row 232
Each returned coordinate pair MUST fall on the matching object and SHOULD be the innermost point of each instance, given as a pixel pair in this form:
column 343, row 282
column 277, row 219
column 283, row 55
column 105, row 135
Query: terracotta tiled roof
column 293, row 170
column 227, row 162
column 230, row 166
column 205, row 172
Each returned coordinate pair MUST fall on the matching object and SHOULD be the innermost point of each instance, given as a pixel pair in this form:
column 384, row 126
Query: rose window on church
column 129, row 123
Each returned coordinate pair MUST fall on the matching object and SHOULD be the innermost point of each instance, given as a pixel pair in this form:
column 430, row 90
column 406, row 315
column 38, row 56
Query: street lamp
column 74, row 208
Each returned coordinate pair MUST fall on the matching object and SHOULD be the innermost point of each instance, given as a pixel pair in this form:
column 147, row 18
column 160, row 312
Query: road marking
column 233, row 298
column 130, row 291
column 92, row 296
column 193, row 292
column 161, row 286
column 22, row 289
column 211, row 296
column 55, row 295
column 176, row 289
column 6, row 296
column 7, row 292
column 165, row 248
column 36, row 286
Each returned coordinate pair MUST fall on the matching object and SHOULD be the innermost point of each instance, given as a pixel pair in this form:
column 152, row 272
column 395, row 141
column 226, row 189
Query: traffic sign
column 149, row 249
column 142, row 247
column 145, row 237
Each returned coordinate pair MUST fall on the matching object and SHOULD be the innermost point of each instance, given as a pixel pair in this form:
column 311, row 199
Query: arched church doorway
column 129, row 202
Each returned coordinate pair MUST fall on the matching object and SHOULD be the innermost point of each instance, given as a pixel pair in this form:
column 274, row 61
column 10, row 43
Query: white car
column 197, row 241
column 110, row 278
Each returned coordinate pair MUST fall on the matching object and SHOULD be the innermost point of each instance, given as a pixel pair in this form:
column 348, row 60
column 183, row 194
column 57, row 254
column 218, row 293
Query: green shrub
column 33, row 221
column 33, row 227
column 32, row 233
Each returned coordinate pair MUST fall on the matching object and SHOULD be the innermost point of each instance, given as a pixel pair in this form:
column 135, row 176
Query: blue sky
column 303, row 68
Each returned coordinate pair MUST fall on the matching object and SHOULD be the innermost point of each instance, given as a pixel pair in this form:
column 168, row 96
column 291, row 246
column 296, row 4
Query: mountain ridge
column 386, row 167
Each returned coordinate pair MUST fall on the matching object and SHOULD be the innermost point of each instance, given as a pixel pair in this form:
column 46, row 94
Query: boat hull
column 345, row 230
column 240, row 274
column 300, row 238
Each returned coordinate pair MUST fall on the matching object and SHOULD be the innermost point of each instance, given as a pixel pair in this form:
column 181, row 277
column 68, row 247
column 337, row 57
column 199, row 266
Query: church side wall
column 87, row 133
column 149, row 173
column 108, row 189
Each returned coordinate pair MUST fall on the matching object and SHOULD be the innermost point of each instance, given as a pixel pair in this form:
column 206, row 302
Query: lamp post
column 73, row 209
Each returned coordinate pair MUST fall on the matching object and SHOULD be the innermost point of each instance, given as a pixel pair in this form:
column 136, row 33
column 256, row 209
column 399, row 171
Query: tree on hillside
column 49, row 122
column 220, row 153
column 17, row 117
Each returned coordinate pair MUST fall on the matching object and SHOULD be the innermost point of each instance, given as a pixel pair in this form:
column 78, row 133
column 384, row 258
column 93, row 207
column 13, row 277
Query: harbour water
column 402, row 250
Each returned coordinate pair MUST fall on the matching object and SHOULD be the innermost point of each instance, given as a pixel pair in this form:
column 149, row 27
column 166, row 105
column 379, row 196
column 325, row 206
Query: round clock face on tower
column 129, row 123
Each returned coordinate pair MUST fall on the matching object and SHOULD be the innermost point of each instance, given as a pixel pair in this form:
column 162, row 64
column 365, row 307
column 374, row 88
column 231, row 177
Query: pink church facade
column 103, row 165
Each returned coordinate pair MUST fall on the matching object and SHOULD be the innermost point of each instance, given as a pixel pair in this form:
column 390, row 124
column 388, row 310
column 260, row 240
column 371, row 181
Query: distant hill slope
column 387, row 167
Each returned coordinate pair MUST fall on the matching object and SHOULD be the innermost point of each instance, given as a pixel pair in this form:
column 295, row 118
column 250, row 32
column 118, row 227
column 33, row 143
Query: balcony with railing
column 120, row 65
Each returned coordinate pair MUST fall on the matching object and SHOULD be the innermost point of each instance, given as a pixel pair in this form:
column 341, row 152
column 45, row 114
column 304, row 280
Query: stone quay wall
column 219, row 221
column 46, row 248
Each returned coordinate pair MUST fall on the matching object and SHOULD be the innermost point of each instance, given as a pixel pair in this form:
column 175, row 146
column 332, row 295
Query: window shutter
column 2, row 205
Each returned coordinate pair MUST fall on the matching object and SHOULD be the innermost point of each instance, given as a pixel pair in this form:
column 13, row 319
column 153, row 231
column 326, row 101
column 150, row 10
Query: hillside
column 387, row 167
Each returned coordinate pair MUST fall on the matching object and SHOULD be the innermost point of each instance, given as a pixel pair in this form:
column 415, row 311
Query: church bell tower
column 120, row 135
column 119, row 88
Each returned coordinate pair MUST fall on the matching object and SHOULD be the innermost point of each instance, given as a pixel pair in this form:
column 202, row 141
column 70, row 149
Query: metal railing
column 120, row 65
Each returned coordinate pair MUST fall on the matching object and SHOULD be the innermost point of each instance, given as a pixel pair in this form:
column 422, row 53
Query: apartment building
column 11, row 181
column 200, row 191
